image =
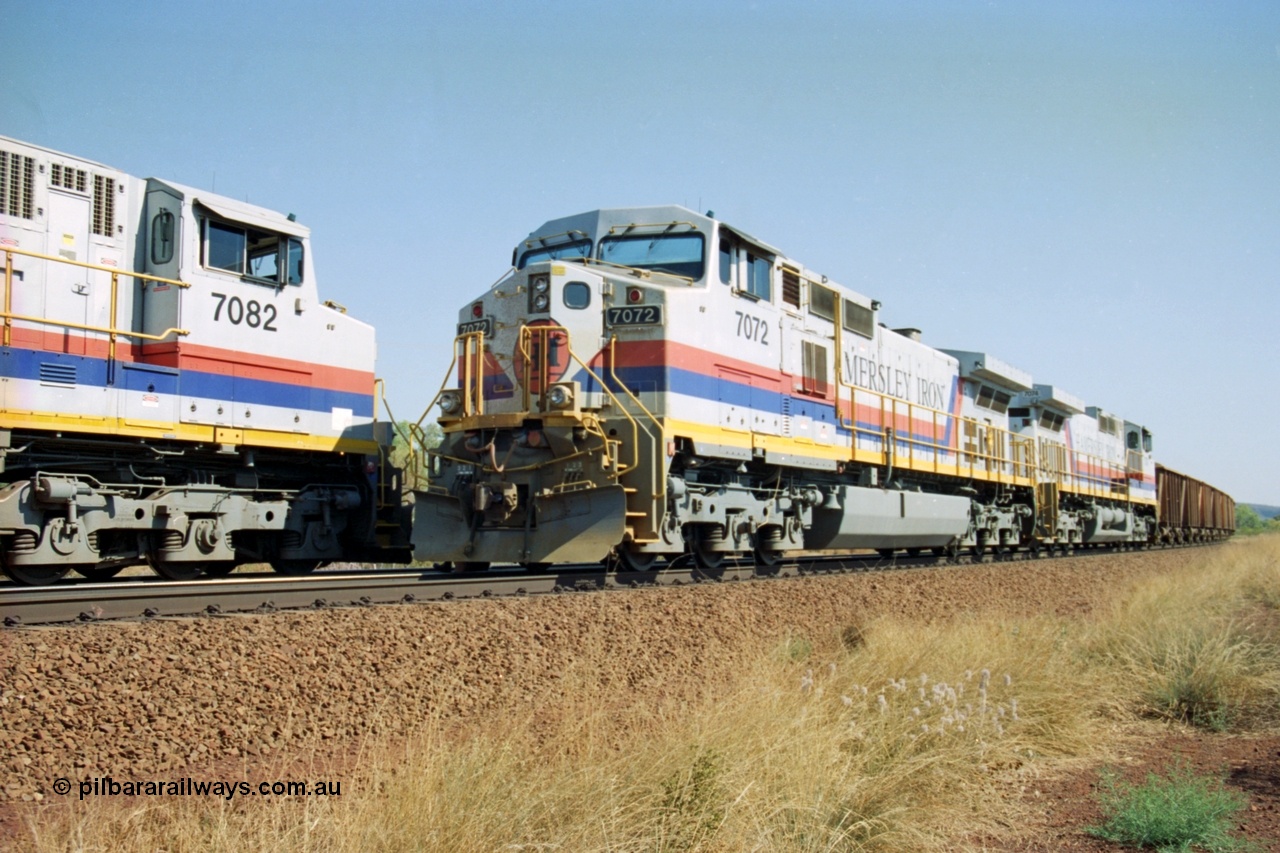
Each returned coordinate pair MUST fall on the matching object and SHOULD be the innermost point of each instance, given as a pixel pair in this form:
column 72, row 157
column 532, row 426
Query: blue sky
column 1090, row 191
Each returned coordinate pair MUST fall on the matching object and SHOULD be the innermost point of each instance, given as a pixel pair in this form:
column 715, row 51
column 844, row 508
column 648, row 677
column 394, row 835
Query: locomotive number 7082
column 251, row 313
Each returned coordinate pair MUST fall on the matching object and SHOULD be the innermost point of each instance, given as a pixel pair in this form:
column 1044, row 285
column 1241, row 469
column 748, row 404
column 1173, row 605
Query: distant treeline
column 1255, row 518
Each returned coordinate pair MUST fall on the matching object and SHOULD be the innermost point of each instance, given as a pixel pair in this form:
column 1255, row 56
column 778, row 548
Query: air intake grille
column 17, row 173
column 57, row 373
column 68, row 178
column 790, row 287
column 815, row 369
column 104, row 205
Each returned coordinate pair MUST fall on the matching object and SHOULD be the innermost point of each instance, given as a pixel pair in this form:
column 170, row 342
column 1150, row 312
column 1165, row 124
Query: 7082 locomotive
column 173, row 391
column 650, row 382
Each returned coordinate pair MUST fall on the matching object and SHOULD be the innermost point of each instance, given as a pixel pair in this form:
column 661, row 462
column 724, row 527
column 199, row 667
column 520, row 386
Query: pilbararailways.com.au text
column 107, row 786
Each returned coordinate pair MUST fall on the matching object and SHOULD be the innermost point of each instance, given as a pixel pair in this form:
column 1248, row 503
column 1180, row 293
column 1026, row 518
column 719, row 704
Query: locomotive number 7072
column 753, row 328
column 634, row 315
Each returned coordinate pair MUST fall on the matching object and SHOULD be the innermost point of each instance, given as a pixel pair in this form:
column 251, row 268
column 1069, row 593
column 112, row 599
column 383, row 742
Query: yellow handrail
column 526, row 334
column 111, row 331
column 613, row 374
column 1000, row 455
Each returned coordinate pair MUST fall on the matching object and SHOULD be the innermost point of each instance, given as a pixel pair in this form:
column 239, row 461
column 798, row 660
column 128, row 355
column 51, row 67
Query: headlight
column 540, row 284
column 450, row 402
column 540, row 302
column 560, row 396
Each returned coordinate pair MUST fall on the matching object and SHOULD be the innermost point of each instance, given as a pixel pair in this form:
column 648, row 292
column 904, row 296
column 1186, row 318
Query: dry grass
column 881, row 736
column 1202, row 647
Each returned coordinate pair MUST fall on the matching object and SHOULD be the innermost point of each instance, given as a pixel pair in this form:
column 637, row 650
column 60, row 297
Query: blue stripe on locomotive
column 690, row 383
column 90, row 372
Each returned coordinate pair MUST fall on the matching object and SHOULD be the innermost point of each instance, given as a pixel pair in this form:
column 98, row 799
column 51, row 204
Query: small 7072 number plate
column 482, row 325
column 634, row 315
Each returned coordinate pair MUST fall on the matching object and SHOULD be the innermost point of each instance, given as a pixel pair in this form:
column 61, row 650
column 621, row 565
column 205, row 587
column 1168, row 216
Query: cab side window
column 759, row 275
column 255, row 255
column 728, row 260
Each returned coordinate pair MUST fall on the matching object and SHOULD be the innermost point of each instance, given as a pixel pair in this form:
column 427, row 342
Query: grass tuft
column 1200, row 647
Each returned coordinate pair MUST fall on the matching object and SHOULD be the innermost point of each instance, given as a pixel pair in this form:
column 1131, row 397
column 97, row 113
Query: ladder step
column 637, row 515
column 629, row 490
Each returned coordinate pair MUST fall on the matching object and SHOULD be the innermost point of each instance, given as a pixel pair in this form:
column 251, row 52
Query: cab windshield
column 573, row 249
column 679, row 254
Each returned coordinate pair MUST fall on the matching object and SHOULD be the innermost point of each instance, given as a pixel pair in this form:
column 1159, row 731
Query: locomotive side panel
column 69, row 223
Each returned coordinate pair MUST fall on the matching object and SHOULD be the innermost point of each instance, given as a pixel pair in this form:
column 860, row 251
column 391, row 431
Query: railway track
column 149, row 598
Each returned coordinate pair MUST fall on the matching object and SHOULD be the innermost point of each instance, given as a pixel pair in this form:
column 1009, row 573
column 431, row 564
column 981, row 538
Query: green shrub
column 691, row 808
column 1180, row 811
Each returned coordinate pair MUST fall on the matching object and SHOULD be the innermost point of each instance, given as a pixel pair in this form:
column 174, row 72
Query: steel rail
column 148, row 598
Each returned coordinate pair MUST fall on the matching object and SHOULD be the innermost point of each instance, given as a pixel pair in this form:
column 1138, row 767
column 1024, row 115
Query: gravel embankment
column 165, row 698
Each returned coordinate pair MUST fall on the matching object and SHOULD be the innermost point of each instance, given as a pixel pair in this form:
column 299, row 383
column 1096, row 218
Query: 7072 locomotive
column 650, row 382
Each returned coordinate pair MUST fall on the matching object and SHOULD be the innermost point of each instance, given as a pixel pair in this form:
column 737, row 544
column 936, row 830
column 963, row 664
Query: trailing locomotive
column 647, row 383
column 173, row 390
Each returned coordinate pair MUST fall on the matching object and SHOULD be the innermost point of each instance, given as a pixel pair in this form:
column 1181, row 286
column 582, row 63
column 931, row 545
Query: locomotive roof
column 239, row 211
column 598, row 223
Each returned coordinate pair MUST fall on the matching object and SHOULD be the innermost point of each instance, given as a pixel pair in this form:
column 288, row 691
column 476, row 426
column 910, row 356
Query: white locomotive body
column 651, row 382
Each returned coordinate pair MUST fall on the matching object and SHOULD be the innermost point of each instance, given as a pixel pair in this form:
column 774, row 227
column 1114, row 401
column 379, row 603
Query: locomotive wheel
column 768, row 559
column 636, row 561
column 99, row 573
column 35, row 575
column 707, row 559
column 536, row 568
column 294, row 568
column 179, row 571
column 465, row 567
column 190, row 571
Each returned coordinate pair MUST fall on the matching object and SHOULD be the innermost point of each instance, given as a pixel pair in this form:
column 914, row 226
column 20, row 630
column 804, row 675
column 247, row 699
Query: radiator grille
column 104, row 205
column 17, row 174
column 68, row 178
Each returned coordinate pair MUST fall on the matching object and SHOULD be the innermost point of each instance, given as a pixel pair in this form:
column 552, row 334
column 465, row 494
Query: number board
column 485, row 325
column 634, row 315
